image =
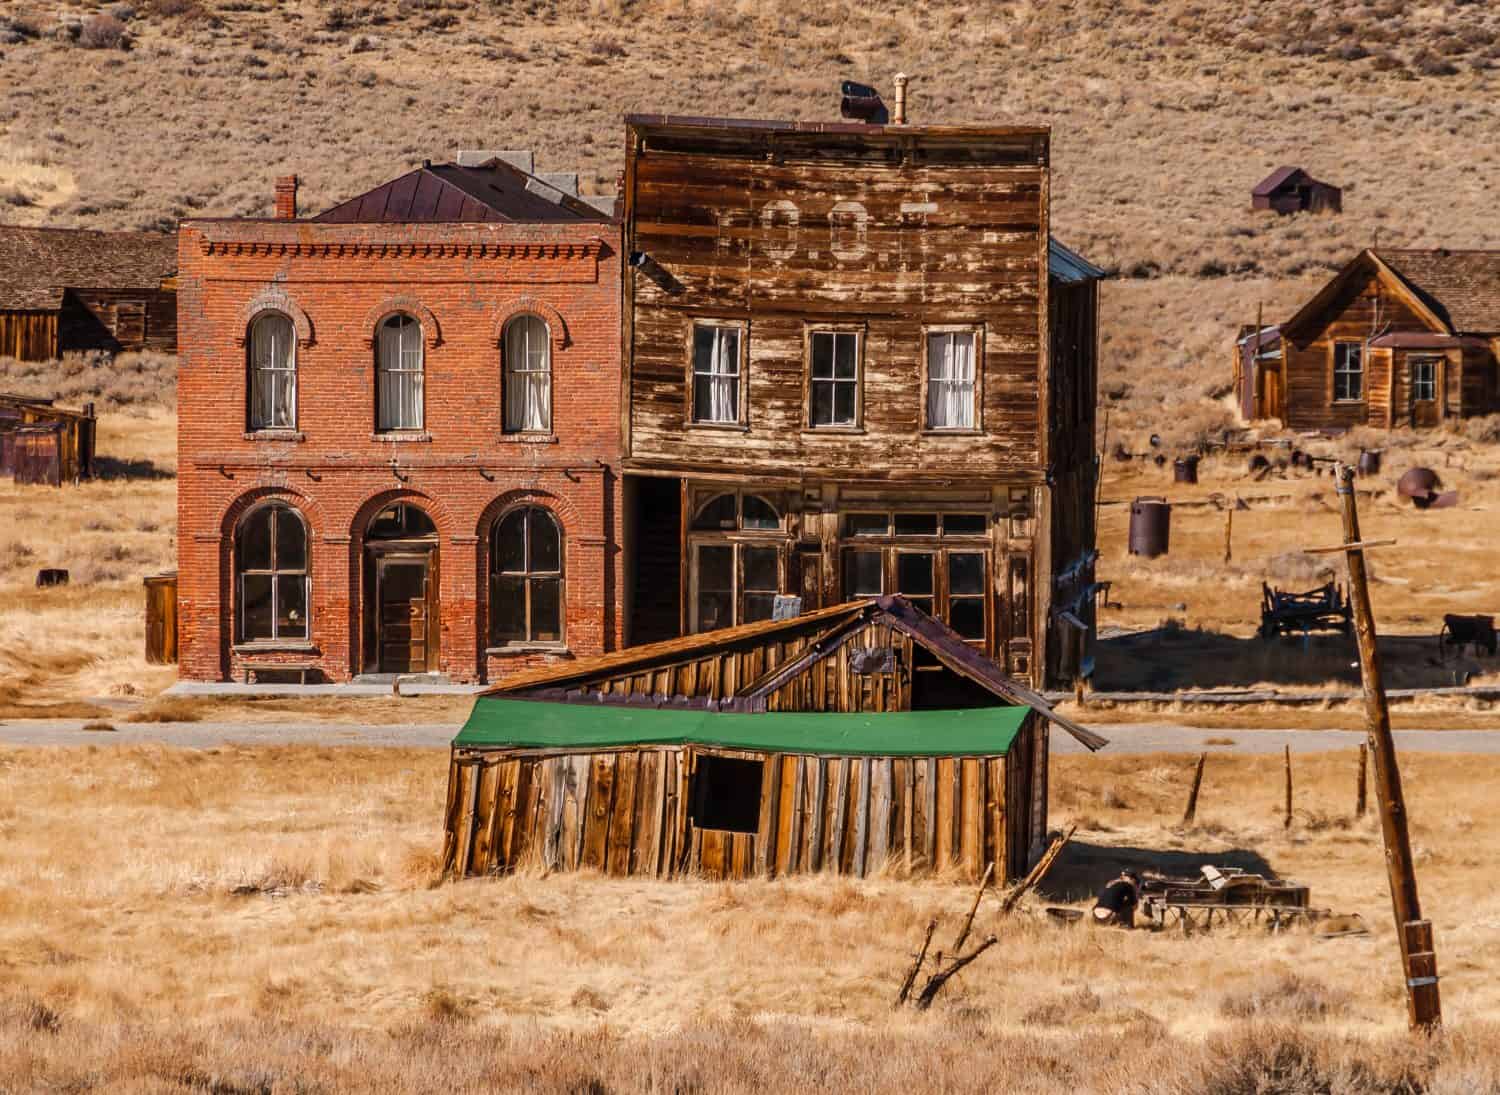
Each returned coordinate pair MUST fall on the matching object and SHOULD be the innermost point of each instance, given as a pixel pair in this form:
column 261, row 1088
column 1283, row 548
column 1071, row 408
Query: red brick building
column 399, row 432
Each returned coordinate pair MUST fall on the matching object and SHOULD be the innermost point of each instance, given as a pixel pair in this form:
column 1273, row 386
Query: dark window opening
column 726, row 794
column 935, row 687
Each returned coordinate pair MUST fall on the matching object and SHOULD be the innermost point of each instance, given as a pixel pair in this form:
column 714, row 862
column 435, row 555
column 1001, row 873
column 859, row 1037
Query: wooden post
column 1419, row 962
column 1192, row 802
column 1229, row 535
column 1359, row 798
column 1288, row 823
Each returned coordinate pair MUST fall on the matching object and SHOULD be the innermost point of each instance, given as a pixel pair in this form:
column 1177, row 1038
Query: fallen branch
column 936, row 982
column 916, row 967
column 963, row 933
column 1038, row 872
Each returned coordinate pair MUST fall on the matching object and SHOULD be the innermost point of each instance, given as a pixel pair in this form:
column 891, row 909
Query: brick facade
column 336, row 283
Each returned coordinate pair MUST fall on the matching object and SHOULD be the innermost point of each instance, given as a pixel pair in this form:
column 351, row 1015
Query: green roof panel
column 537, row 724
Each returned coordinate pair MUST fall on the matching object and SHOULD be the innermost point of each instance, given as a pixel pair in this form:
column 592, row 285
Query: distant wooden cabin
column 1259, row 383
column 1293, row 190
column 1396, row 338
column 66, row 290
column 43, row 443
column 851, row 739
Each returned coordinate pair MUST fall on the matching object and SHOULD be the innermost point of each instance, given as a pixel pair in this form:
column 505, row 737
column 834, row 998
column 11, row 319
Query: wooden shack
column 1292, row 190
column 43, row 443
column 858, row 364
column 1397, row 338
column 1259, row 382
column 855, row 739
column 66, row 290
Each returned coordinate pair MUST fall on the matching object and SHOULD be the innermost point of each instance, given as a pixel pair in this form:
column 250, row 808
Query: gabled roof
column 1066, row 265
column 1366, row 263
column 1456, row 292
column 1276, row 179
column 450, row 193
column 38, row 264
column 579, row 681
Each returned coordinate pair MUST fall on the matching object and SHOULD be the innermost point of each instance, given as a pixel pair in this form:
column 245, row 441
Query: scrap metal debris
column 1325, row 608
column 1424, row 488
column 1226, row 894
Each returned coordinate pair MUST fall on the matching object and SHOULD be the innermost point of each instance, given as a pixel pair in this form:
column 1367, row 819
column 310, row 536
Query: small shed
column 1293, row 190
column 68, row 290
column 854, row 739
column 1259, row 381
column 41, row 442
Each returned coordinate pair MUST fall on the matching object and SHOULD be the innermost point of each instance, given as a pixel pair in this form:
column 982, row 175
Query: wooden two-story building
column 1396, row 338
column 856, row 364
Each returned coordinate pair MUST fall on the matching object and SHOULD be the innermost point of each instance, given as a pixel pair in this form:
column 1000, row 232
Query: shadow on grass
column 113, row 468
column 1082, row 869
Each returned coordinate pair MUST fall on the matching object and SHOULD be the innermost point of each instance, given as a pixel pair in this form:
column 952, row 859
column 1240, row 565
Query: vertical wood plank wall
column 626, row 813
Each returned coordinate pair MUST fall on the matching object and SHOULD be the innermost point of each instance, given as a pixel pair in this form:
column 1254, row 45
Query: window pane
column 703, row 399
column 760, row 514
column 866, row 524
column 528, row 378
column 758, row 606
column 291, row 606
column 508, row 608
column 966, row 616
column 510, row 543
column 862, row 574
column 822, row 403
column 546, row 610
column 822, row 354
column 716, row 568
column 546, row 546
column 255, row 541
column 727, row 360
column 255, row 607
column 703, row 349
column 715, row 610
column 916, row 524
column 846, row 350
column 914, row 572
column 924, row 603
column 760, row 568
column 963, row 524
column 843, row 404
column 965, row 572
column 291, row 541
column 718, row 514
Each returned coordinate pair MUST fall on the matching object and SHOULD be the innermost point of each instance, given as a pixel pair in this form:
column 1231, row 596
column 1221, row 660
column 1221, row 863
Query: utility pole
column 1418, row 959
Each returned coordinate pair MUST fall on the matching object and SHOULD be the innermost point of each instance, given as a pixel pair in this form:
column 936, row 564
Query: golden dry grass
column 268, row 916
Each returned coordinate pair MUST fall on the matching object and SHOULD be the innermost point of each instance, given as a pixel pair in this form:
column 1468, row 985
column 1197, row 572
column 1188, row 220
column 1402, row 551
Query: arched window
column 526, row 578
column 270, row 559
column 398, row 373
column 273, row 373
column 528, row 376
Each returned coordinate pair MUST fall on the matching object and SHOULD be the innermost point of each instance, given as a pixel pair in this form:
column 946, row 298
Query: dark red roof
column 1276, row 179
column 446, row 193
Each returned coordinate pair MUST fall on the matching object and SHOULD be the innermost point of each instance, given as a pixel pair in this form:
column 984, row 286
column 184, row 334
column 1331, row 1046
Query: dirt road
column 1124, row 738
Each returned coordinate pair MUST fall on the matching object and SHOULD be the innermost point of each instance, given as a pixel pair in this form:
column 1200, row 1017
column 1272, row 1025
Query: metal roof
column 495, row 191
column 1067, row 265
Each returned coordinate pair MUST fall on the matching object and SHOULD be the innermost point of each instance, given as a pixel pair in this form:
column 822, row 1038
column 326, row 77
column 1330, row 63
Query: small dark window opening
column 726, row 794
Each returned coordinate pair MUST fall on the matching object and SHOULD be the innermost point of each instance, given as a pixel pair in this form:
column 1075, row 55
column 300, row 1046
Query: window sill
column 528, row 648
column 528, row 438
column 832, row 431
column 722, row 427
column 397, row 436
column 1348, row 402
column 295, row 647
column 939, row 432
column 275, row 435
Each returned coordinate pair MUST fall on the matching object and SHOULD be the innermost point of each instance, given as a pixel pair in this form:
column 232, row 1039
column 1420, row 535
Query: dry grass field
column 267, row 920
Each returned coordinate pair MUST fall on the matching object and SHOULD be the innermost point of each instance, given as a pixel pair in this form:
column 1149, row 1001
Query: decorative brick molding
column 431, row 333
column 375, row 501
column 559, row 506
column 557, row 327
column 233, row 512
column 274, row 299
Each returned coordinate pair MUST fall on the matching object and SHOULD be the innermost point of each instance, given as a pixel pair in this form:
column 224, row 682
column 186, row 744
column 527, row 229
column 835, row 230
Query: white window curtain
column 716, row 374
column 950, row 380
column 273, row 373
column 398, row 365
column 528, row 376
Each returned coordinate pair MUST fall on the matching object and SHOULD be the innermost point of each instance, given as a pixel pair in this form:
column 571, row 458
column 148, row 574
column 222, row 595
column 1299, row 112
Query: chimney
column 899, row 117
column 286, row 198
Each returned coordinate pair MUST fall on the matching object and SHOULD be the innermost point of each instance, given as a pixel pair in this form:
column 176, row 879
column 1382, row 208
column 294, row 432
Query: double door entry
column 404, row 611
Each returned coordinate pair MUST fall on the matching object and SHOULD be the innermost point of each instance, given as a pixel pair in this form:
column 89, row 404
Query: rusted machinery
column 1224, row 895
column 1323, row 609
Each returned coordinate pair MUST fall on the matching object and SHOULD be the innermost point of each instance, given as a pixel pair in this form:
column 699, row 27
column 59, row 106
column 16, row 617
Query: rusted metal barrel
column 1369, row 461
column 1185, row 469
column 1421, row 485
column 1150, row 526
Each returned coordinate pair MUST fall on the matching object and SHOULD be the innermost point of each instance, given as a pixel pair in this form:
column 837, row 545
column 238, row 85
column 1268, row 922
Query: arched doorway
column 401, row 591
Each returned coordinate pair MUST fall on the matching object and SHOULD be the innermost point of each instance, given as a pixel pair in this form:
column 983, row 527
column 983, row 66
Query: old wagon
column 855, row 739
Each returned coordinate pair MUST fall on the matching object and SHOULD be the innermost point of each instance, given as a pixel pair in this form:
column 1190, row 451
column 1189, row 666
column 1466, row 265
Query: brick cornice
column 403, row 250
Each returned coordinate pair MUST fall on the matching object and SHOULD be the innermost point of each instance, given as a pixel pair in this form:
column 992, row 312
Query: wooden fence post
column 1192, row 802
column 1359, row 798
column 1288, row 822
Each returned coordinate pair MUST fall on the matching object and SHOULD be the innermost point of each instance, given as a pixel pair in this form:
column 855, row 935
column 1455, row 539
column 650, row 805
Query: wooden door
column 1271, row 397
column 403, row 590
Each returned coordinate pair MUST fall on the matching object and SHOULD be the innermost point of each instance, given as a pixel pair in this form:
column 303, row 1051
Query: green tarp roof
column 534, row 724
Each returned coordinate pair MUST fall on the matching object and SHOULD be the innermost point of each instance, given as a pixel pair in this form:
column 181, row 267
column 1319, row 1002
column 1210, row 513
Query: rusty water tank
column 1150, row 526
column 1369, row 461
column 1185, row 469
column 1421, row 485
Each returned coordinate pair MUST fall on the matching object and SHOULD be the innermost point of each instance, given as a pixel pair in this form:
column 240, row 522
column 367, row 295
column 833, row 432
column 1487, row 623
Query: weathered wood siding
column 626, row 812
column 783, row 231
column 1073, row 363
column 118, row 320
column 28, row 336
